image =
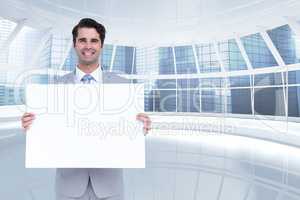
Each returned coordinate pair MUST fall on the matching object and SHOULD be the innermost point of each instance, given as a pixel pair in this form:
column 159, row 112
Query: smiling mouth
column 88, row 53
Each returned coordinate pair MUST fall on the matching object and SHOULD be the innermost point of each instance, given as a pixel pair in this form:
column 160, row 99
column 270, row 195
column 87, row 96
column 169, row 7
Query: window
column 294, row 101
column 231, row 56
column 284, row 40
column 207, row 58
column 269, row 101
column 166, row 61
column 124, row 60
column 212, row 101
column 239, row 101
column 185, row 60
column 258, row 52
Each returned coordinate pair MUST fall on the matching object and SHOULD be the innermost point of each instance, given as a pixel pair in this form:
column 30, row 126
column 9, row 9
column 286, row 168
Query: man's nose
column 88, row 45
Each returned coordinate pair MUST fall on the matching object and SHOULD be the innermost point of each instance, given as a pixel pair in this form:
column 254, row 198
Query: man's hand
column 27, row 120
column 146, row 121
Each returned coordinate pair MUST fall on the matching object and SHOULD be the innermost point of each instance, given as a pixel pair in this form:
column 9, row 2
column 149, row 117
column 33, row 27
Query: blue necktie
column 86, row 79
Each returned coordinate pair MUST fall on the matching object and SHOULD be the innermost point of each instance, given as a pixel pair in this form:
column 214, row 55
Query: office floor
column 179, row 167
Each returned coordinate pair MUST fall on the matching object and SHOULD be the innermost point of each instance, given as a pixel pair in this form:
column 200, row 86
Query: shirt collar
column 96, row 74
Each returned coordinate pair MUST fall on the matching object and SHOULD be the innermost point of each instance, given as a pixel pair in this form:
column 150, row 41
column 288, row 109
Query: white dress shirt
column 96, row 74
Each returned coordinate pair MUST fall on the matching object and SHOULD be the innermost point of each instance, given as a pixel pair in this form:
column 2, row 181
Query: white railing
column 261, row 127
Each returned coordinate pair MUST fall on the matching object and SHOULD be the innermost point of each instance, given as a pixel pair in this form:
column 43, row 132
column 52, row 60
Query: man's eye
column 82, row 41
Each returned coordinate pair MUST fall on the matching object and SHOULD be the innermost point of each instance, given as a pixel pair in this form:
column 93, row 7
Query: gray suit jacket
column 105, row 182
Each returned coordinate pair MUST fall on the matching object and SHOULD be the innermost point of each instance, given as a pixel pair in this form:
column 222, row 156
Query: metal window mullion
column 174, row 60
column 176, row 96
column 196, row 58
column 113, row 55
column 153, row 99
column 133, row 59
column 243, row 52
column 252, row 92
column 175, row 72
column 284, row 94
column 219, row 57
column 200, row 94
column 287, row 95
column 200, row 99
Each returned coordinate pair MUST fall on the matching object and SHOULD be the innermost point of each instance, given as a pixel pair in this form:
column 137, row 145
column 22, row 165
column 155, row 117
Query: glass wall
column 166, row 60
column 207, row 58
column 124, row 60
column 293, row 93
column 294, row 101
column 259, row 54
column 240, row 101
column 185, row 60
column 106, row 58
column 147, row 60
column 235, row 91
column 285, row 42
column 231, row 56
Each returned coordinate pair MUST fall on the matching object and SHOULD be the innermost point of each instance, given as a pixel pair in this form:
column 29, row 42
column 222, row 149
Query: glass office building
column 227, row 71
column 238, row 92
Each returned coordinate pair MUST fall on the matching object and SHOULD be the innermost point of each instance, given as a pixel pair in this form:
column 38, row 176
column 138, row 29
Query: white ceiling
column 157, row 22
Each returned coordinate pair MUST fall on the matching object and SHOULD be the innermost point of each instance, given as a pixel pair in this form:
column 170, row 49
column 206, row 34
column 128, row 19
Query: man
column 83, row 184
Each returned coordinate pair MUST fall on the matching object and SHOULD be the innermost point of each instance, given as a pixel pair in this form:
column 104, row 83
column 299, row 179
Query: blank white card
column 85, row 126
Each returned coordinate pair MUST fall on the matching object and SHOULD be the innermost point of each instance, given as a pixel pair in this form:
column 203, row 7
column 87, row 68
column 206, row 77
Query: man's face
column 88, row 46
